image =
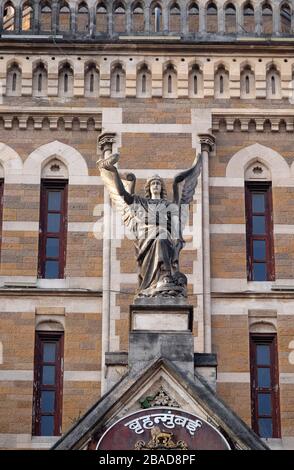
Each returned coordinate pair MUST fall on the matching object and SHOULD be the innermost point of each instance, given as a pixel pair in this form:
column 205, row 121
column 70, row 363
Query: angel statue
column 156, row 223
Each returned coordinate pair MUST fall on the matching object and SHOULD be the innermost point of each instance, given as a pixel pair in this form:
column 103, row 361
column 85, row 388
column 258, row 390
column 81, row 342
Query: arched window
column 64, row 18
column 285, row 17
column 170, row 86
column 46, row 17
column 211, row 18
column 91, row 81
column 267, row 19
column 144, row 82
column 27, row 17
column 119, row 18
column 65, row 81
column 8, row 17
column 175, row 18
column 195, row 82
column 247, row 83
column 156, row 18
column 193, row 18
column 118, row 81
column 221, row 83
column 40, row 80
column 13, row 81
column 273, row 83
column 101, row 18
column 138, row 21
column 83, row 19
column 248, row 19
column 230, row 16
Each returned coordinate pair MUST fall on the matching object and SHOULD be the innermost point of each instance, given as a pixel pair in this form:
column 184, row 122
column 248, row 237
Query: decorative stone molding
column 105, row 142
column 160, row 399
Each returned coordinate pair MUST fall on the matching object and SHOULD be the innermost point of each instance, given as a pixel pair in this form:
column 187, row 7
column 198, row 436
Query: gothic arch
column 68, row 155
column 10, row 160
column 272, row 159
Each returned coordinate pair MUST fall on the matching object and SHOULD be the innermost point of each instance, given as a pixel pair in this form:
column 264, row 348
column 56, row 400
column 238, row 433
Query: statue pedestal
column 161, row 329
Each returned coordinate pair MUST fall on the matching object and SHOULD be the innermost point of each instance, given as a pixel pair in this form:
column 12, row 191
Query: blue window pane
column 258, row 225
column 264, row 404
column 48, row 375
column 52, row 247
column 259, row 250
column 54, row 200
column 258, row 203
column 49, row 352
column 51, row 269
column 47, row 402
column 53, row 223
column 263, row 357
column 263, row 378
column 47, row 425
column 265, row 426
column 259, row 272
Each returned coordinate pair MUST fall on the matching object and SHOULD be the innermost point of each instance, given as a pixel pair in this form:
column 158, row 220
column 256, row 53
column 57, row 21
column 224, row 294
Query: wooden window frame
column 41, row 338
column 263, row 188
column 46, row 185
column 271, row 340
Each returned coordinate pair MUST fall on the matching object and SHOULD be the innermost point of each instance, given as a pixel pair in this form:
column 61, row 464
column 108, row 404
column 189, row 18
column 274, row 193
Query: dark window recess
column 53, row 225
column 1, row 207
column 48, row 381
column 259, row 230
column 264, row 385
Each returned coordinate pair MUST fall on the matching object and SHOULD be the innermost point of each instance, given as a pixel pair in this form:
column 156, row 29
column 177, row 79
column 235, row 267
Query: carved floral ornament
column 161, row 398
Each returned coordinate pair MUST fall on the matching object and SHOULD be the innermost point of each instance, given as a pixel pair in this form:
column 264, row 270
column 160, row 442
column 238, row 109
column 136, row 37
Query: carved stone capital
column 105, row 141
column 207, row 142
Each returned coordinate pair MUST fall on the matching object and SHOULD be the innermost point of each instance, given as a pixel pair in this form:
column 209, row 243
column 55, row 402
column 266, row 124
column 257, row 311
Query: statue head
column 155, row 188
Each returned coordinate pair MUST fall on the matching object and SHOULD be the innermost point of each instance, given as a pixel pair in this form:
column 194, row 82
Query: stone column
column 128, row 19
column 257, row 18
column 147, row 14
column 239, row 20
column 18, row 18
column 184, row 19
column 276, row 18
column 202, row 19
column 92, row 13
column 220, row 19
column 207, row 143
column 1, row 16
column 105, row 143
column 55, row 17
column 165, row 15
column 36, row 26
column 109, row 19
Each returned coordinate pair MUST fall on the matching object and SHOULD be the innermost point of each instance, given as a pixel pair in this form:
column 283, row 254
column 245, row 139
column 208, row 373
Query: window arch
column 119, row 18
column 118, row 81
column 230, row 18
column 65, row 81
column 40, row 80
column 83, row 18
column 248, row 18
column 195, row 82
column 193, row 18
column 91, row 80
column 46, row 17
column 273, row 83
column 170, row 85
column 138, row 19
column 285, row 18
column 144, row 82
column 156, row 18
column 175, row 18
column 221, row 83
column 13, row 81
column 27, row 16
column 247, row 83
column 64, row 17
column 267, row 19
column 9, row 17
column 211, row 18
column 101, row 18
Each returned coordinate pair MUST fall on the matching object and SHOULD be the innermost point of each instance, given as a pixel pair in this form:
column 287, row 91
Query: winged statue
column 156, row 223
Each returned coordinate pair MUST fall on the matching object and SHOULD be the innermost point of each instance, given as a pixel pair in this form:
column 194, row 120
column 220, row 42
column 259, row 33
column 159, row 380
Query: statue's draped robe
column 155, row 233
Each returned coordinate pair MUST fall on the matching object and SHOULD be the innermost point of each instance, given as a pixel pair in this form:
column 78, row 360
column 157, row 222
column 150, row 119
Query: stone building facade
column 167, row 81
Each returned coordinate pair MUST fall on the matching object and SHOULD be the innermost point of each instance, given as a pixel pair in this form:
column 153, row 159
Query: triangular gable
column 194, row 396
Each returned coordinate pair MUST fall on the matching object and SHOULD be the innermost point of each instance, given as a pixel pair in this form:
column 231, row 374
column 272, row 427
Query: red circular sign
column 162, row 429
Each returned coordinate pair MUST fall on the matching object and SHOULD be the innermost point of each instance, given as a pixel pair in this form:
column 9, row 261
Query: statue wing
column 107, row 172
column 184, row 188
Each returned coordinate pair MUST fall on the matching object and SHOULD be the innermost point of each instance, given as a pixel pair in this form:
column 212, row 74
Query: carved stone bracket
column 105, row 142
column 207, row 142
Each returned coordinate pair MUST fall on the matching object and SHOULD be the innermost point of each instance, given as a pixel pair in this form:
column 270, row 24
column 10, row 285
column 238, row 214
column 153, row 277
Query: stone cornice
column 253, row 295
column 30, row 292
